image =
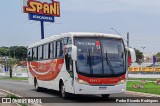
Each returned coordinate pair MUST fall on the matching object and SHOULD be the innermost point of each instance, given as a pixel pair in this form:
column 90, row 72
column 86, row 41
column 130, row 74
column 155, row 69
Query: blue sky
column 139, row 17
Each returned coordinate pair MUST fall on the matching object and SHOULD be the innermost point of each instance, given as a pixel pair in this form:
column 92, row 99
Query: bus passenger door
column 69, row 69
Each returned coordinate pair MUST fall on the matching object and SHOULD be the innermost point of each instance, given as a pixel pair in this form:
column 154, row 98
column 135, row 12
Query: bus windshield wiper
column 109, row 63
column 90, row 62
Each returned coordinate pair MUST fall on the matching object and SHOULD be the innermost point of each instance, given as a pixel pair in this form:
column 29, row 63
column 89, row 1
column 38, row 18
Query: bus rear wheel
column 105, row 96
column 37, row 88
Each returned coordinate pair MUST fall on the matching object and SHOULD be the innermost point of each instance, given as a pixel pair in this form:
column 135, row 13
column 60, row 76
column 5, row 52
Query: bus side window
column 69, row 41
column 45, row 51
column 51, row 50
column 54, row 50
column 69, row 62
column 61, row 48
column 34, row 52
column 58, row 48
column 65, row 41
column 40, row 53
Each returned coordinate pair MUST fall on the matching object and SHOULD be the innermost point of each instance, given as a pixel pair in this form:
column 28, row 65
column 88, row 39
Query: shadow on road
column 74, row 98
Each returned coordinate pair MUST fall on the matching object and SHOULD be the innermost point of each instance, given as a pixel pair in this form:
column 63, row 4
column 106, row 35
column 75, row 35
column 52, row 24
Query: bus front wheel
column 64, row 94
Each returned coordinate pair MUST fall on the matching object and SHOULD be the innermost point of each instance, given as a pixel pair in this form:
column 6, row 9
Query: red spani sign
column 37, row 7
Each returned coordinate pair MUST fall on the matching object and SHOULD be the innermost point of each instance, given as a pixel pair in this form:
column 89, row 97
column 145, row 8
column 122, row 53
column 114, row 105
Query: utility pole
column 143, row 60
column 127, row 39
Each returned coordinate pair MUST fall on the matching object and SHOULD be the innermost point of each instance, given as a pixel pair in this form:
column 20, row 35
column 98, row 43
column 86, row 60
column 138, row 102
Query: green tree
column 12, row 51
column 4, row 51
column 139, row 56
column 158, row 57
column 10, row 64
column 19, row 52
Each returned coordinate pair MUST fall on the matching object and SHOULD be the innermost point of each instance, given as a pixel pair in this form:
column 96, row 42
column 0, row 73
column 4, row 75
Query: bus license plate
column 103, row 88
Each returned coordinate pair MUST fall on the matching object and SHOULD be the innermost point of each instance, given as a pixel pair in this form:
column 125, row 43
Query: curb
column 142, row 94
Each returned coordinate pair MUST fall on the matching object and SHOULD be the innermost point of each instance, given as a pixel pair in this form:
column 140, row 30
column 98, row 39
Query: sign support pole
column 42, row 29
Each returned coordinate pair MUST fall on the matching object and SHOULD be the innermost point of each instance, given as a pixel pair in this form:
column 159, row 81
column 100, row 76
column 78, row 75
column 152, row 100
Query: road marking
column 142, row 94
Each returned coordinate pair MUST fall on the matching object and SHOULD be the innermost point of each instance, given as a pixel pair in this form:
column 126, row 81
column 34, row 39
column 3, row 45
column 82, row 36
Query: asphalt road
column 24, row 89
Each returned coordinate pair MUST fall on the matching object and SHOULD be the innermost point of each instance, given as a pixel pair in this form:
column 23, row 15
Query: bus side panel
column 54, row 84
column 44, row 71
column 59, row 68
column 65, row 77
column 30, row 79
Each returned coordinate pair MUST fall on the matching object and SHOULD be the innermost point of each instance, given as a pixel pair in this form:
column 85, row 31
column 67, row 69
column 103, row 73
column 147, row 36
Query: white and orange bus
column 80, row 63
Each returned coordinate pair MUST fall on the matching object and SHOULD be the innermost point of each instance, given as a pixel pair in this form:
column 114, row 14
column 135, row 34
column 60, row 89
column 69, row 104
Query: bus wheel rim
column 36, row 85
column 63, row 91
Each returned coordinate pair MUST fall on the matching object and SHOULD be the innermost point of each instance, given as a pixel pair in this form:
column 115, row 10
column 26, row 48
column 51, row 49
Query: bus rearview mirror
column 74, row 53
column 132, row 54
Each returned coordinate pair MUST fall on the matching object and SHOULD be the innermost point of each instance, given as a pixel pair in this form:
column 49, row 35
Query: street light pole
column 121, row 35
column 127, row 39
column 116, row 31
column 143, row 57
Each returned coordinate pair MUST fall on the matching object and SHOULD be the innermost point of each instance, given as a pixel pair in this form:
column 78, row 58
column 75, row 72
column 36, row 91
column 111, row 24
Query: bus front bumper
column 88, row 89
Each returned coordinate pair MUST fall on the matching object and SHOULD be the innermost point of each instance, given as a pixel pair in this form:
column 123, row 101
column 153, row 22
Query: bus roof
column 72, row 34
column 92, row 34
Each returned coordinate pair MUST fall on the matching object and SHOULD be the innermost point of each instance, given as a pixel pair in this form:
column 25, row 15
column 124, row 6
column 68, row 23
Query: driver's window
column 69, row 61
column 70, row 65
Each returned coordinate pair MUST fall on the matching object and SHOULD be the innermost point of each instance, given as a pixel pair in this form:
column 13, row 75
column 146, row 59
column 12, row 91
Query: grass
column 146, row 79
column 149, row 87
column 14, row 78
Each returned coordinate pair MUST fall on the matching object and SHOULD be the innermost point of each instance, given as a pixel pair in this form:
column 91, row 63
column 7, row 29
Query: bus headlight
column 81, row 81
column 121, row 81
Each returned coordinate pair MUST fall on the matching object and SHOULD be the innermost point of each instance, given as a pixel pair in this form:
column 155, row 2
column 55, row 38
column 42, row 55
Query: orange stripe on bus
column 46, row 70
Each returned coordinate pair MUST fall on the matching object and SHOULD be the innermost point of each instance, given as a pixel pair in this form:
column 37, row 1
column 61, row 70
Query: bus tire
column 105, row 96
column 37, row 88
column 64, row 94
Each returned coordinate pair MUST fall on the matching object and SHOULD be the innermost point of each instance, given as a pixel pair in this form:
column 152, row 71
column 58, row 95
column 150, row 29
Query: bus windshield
column 100, row 56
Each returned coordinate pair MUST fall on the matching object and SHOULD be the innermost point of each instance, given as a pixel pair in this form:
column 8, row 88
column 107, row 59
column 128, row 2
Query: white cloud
column 145, row 6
